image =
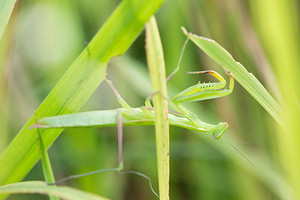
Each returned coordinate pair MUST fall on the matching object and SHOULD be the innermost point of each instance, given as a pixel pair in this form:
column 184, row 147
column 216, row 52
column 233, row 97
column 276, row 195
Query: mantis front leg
column 203, row 91
column 199, row 92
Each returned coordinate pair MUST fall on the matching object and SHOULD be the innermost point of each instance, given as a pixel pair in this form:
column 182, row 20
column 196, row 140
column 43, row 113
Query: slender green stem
column 47, row 169
column 156, row 65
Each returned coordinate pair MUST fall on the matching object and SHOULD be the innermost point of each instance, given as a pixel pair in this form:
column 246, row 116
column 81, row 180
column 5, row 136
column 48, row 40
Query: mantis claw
column 228, row 73
column 212, row 72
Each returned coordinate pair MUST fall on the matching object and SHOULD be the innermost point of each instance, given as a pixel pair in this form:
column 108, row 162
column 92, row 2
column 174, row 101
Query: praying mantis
column 145, row 115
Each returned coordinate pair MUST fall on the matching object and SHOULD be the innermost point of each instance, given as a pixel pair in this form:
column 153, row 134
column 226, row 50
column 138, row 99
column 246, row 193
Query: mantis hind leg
column 120, row 140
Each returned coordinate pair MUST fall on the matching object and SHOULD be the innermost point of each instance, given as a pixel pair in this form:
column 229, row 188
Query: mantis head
column 219, row 130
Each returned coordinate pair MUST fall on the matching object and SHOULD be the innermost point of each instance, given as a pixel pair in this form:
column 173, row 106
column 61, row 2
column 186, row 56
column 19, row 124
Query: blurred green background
column 44, row 37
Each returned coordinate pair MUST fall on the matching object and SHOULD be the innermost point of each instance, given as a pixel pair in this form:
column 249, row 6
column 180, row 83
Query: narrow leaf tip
column 184, row 31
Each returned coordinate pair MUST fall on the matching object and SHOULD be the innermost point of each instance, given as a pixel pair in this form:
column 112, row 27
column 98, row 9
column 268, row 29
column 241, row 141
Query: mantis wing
column 130, row 117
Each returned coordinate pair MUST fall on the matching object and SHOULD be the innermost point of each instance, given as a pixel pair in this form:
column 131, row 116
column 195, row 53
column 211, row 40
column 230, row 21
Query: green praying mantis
column 145, row 115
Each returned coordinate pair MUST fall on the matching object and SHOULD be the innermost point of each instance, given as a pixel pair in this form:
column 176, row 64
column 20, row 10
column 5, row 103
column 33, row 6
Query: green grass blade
column 278, row 26
column 156, row 65
column 78, row 84
column 6, row 8
column 41, row 188
column 240, row 74
column 47, row 168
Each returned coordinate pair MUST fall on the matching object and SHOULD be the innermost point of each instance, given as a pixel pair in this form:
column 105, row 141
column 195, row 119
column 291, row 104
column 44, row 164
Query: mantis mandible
column 128, row 116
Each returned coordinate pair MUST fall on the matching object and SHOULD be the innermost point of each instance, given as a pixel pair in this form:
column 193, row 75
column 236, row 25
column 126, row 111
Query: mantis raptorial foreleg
column 204, row 91
column 199, row 92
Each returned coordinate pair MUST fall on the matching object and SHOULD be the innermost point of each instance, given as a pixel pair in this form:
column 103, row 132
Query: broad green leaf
column 40, row 187
column 77, row 84
column 156, row 66
column 6, row 8
column 240, row 74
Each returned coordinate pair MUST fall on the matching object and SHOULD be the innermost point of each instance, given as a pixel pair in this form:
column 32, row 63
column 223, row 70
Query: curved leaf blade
column 41, row 188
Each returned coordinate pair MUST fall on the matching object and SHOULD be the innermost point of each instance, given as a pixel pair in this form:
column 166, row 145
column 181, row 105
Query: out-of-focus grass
column 282, row 47
column 198, row 169
column 6, row 8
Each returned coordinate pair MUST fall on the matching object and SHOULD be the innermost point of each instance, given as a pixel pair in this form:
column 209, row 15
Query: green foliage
column 36, row 51
column 279, row 33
